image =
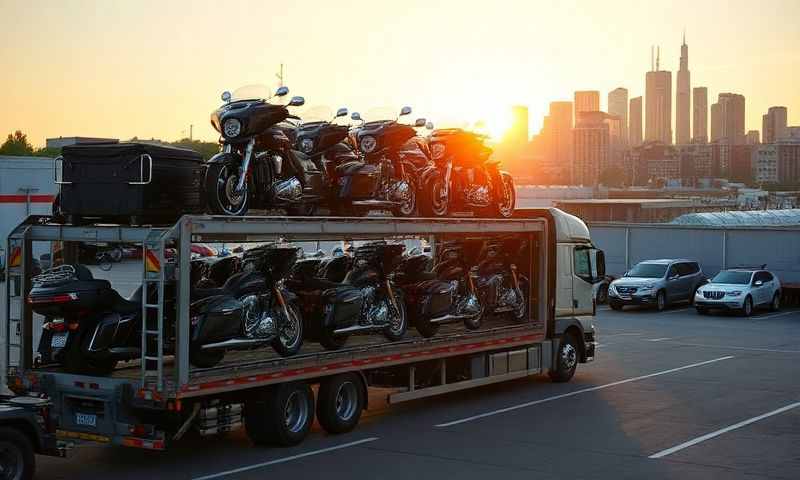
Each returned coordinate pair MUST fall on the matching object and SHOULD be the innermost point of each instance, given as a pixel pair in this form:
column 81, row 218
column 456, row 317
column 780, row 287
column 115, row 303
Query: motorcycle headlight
column 368, row 144
column 437, row 151
column 232, row 127
column 306, row 145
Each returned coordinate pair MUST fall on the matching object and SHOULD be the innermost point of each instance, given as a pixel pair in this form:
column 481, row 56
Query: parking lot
column 670, row 395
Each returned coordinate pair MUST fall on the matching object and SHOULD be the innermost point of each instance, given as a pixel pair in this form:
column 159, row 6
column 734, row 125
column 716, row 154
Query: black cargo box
column 130, row 182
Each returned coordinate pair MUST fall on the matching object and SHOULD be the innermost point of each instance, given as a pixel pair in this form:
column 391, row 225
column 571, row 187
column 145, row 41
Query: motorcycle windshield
column 317, row 114
column 251, row 92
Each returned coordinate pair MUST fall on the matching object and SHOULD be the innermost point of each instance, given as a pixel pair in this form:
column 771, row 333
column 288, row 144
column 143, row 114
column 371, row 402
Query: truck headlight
column 232, row 127
column 368, row 144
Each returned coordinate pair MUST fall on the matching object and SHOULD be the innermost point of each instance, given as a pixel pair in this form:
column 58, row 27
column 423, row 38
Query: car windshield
column 734, row 278
column 647, row 270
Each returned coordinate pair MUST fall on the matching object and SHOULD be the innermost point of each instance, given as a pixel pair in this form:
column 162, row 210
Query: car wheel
column 747, row 306
column 661, row 301
column 776, row 302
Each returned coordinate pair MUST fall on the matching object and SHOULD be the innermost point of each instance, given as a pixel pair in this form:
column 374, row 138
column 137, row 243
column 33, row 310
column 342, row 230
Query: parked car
column 657, row 283
column 741, row 290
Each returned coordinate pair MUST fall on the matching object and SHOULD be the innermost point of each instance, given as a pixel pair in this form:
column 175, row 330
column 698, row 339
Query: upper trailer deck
column 174, row 376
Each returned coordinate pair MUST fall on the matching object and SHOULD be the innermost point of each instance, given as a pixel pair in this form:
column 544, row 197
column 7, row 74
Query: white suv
column 741, row 290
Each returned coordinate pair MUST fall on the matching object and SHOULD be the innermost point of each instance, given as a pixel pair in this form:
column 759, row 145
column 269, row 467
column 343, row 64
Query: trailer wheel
column 566, row 360
column 340, row 402
column 280, row 415
column 17, row 461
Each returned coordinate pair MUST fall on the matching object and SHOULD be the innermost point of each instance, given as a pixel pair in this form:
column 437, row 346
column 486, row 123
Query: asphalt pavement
column 671, row 395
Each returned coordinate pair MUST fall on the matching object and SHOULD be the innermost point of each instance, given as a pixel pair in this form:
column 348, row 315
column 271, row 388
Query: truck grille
column 626, row 290
column 713, row 295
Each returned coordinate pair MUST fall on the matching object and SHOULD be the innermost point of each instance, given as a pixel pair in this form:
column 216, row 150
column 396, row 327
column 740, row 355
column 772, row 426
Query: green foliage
column 206, row 149
column 16, row 144
column 47, row 152
column 612, row 177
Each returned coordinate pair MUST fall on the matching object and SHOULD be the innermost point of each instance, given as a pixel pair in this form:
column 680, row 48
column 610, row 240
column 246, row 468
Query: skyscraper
column 591, row 147
column 682, row 98
column 751, row 137
column 700, row 115
column 586, row 101
column 618, row 106
column 732, row 118
column 716, row 122
column 773, row 124
column 635, row 122
column 561, row 129
column 658, row 105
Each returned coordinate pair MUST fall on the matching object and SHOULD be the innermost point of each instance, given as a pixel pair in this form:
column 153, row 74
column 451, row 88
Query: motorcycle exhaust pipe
column 357, row 328
column 234, row 343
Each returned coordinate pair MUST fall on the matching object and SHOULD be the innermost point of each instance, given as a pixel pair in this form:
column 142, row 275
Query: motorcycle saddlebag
column 346, row 304
column 115, row 182
column 436, row 297
column 363, row 179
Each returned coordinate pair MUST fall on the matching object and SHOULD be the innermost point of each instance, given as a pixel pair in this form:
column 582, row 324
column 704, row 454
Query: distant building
column 696, row 162
column 751, row 137
column 741, row 163
column 586, row 101
column 789, row 163
column 61, row 142
column 700, row 115
column 658, row 107
column 765, row 163
column 790, row 134
column 732, row 118
column 590, row 147
column 618, row 106
column 683, row 92
column 636, row 210
column 635, row 122
column 556, row 143
column 774, row 124
column 716, row 122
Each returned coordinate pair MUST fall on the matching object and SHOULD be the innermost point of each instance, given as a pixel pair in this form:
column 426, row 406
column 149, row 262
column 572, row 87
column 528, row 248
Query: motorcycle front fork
column 245, row 165
column 392, row 298
column 514, row 276
column 281, row 302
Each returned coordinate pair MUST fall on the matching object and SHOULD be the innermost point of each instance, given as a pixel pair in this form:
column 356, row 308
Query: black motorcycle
column 501, row 289
column 209, row 272
column 89, row 327
column 385, row 179
column 366, row 300
column 327, row 144
column 463, row 178
column 250, row 310
column 446, row 293
column 258, row 167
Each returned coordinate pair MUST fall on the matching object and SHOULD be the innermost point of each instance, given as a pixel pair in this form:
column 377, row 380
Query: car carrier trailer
column 155, row 400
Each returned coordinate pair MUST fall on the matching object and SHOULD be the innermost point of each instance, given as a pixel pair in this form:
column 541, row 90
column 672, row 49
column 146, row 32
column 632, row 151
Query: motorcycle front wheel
column 398, row 319
column 221, row 195
column 434, row 202
column 408, row 207
column 290, row 333
column 506, row 199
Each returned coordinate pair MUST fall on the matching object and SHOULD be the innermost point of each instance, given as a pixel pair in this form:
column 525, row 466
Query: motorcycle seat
column 125, row 305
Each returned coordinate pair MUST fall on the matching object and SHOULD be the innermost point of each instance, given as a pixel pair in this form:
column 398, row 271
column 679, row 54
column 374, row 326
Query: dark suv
column 657, row 283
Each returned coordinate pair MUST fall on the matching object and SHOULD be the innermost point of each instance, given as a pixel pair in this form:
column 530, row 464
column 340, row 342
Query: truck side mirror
column 600, row 258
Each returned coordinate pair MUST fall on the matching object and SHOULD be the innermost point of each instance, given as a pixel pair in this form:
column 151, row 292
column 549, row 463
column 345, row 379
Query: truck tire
column 340, row 402
column 280, row 415
column 566, row 360
column 17, row 460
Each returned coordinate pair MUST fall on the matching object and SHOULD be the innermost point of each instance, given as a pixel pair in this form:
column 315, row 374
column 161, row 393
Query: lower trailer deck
column 262, row 366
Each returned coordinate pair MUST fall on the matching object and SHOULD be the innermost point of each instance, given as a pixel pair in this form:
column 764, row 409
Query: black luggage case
column 130, row 183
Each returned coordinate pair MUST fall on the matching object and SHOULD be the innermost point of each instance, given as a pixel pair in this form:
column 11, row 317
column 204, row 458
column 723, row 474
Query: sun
column 496, row 122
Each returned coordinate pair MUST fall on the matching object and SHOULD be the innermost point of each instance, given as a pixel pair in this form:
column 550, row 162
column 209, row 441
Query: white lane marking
column 285, row 459
column 773, row 315
column 659, row 339
column 695, row 441
column 578, row 392
column 752, row 349
column 618, row 334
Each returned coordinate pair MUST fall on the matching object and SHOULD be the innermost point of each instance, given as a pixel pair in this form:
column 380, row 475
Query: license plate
column 86, row 419
column 58, row 340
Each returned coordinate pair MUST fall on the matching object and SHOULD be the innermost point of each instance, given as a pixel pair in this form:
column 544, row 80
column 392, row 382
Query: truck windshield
column 733, row 278
column 647, row 270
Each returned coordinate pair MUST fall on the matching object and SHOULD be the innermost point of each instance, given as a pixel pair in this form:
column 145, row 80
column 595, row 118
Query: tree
column 47, row 152
column 612, row 176
column 206, row 149
column 16, row 144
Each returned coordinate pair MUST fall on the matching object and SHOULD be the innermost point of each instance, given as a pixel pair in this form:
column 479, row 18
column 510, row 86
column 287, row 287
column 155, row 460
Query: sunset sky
column 152, row 68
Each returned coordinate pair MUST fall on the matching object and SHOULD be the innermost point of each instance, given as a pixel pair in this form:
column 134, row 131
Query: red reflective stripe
column 359, row 363
column 24, row 198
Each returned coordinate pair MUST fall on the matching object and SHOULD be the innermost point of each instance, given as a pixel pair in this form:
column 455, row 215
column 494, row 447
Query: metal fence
column 716, row 248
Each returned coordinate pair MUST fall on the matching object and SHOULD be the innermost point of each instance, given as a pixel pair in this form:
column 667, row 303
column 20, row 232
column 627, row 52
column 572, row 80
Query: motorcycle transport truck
column 531, row 275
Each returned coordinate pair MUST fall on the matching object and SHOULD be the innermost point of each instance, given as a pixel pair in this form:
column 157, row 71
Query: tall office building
column 658, row 105
column 773, row 124
column 591, row 147
column 732, row 118
column 561, row 136
column 751, row 137
column 683, row 98
column 618, row 106
column 586, row 101
column 700, row 115
column 635, row 122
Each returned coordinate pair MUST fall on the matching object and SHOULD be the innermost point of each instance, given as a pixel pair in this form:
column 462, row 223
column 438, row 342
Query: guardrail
column 715, row 248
